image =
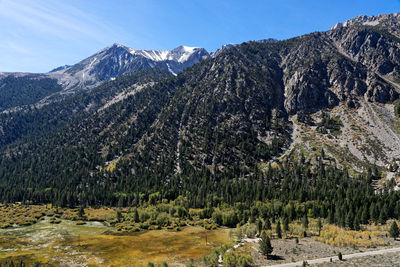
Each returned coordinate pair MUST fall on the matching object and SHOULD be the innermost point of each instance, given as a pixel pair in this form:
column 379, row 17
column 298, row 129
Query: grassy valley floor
column 68, row 244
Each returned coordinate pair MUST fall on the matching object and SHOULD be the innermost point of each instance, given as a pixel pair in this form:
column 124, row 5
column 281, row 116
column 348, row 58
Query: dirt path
column 335, row 258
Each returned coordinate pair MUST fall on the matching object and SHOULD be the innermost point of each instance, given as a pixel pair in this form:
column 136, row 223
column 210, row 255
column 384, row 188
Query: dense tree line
column 18, row 91
column 291, row 191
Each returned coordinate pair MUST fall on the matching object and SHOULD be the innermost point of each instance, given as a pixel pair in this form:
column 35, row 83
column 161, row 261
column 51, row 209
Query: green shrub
column 235, row 259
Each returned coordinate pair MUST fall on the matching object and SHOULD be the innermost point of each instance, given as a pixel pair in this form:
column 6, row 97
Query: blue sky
column 39, row 35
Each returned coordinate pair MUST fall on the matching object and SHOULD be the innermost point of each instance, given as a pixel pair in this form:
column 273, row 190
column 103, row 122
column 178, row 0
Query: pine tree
column 119, row 215
column 121, row 202
column 350, row 219
column 305, row 222
column 81, row 212
column 396, row 211
column 319, row 225
column 331, row 217
column 279, row 229
column 364, row 215
column 373, row 213
column 383, row 215
column 356, row 224
column 265, row 245
column 285, row 224
column 136, row 216
column 267, row 224
column 259, row 226
column 394, row 230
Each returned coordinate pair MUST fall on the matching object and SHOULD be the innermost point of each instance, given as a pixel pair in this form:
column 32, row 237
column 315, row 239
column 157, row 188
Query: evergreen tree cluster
column 25, row 90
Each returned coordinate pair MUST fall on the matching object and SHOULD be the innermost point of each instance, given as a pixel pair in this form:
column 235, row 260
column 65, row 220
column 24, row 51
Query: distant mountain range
column 117, row 60
column 105, row 65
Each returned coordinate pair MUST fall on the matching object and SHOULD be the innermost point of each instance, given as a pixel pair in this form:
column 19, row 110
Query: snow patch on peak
column 180, row 54
column 156, row 55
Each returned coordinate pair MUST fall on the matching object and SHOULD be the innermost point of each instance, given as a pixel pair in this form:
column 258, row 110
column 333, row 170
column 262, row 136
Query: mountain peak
column 183, row 53
column 186, row 48
column 268, row 40
column 112, row 47
column 383, row 20
column 60, row 68
column 222, row 49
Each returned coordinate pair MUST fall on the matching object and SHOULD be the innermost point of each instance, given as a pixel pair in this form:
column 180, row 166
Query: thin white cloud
column 58, row 19
column 38, row 35
column 17, row 47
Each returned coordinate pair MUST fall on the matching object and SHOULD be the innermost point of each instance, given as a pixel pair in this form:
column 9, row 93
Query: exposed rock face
column 369, row 46
column 337, row 26
column 323, row 69
column 268, row 40
column 386, row 20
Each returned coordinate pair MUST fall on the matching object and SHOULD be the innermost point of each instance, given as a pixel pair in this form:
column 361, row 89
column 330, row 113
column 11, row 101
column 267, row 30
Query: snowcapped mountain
column 117, row 60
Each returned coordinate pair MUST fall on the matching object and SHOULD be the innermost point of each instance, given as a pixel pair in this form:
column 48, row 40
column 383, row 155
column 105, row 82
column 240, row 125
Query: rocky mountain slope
column 370, row 132
column 334, row 93
column 32, row 122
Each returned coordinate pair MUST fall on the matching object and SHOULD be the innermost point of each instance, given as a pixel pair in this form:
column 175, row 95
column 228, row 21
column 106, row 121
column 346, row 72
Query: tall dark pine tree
column 319, row 225
column 265, row 245
column 279, row 229
column 305, row 222
column 81, row 212
column 136, row 216
column 285, row 224
column 394, row 230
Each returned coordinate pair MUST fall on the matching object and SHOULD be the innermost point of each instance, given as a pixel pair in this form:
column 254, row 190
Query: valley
column 60, row 237
column 266, row 152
